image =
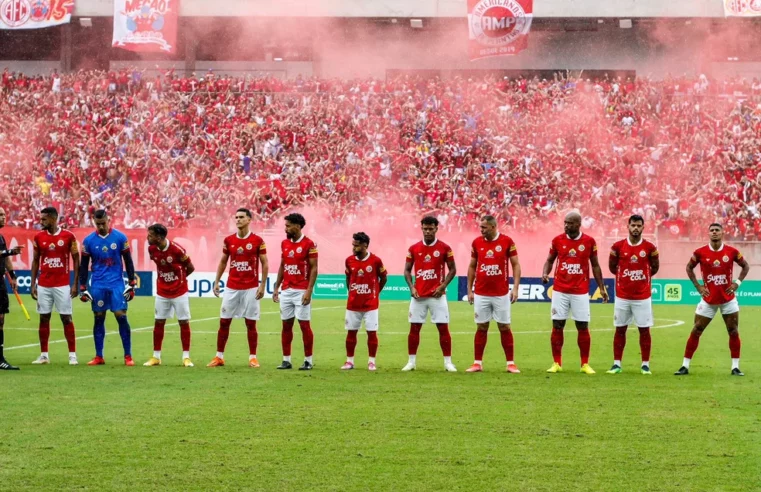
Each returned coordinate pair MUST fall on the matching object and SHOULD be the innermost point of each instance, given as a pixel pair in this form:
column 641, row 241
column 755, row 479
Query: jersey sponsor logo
column 360, row 273
column 60, row 242
column 436, row 254
column 490, row 254
column 240, row 250
column 51, row 246
column 634, row 259
column 717, row 279
column 168, row 277
column 104, row 248
column 635, row 275
column 716, row 263
column 490, row 270
column 290, row 254
column 427, row 274
column 427, row 258
column 163, row 261
column 360, row 289
column 581, row 248
column 52, row 263
column 241, row 266
column 292, row 269
column 571, row 268
column 572, row 252
column 249, row 246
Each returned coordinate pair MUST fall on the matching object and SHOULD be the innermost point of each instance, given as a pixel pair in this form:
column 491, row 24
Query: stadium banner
column 201, row 284
column 742, row 8
column 34, row 14
column 683, row 292
column 24, row 282
column 532, row 289
column 396, row 289
column 146, row 25
column 498, row 27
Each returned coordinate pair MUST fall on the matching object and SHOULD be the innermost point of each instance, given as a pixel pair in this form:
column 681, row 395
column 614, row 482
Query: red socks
column 619, row 342
column 307, row 336
column 585, row 341
column 508, row 345
column 445, row 339
column 185, row 335
column 413, row 340
column 44, row 335
column 223, row 333
column 556, row 340
column 734, row 345
column 480, row 344
column 286, row 337
column 692, row 345
column 644, row 343
column 253, row 336
column 351, row 342
column 158, row 334
column 71, row 337
column 372, row 343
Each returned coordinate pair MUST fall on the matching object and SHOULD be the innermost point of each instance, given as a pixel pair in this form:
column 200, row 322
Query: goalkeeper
column 106, row 248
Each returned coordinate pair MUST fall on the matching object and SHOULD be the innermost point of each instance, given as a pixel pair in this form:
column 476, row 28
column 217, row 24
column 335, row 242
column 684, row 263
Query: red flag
column 146, row 25
column 498, row 27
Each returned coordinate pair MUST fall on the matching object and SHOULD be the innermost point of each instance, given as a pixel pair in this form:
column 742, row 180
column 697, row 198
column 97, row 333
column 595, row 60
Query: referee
column 5, row 263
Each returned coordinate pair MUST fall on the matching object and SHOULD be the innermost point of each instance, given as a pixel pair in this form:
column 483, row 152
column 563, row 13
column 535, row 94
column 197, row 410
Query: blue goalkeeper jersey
column 105, row 253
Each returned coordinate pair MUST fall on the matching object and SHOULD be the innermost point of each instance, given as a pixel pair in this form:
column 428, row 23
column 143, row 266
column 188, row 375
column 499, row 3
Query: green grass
column 171, row 428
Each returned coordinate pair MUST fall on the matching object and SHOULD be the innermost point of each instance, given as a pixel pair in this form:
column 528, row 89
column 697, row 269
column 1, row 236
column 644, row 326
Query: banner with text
column 742, row 8
column 683, row 292
column 24, row 282
column 532, row 289
column 34, row 14
column 146, row 25
column 498, row 27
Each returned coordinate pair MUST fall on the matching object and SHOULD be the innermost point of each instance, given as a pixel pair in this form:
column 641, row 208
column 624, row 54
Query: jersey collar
column 576, row 238
column 641, row 240
column 298, row 240
column 489, row 241
column 716, row 250
column 366, row 257
column 244, row 237
column 104, row 237
column 56, row 232
column 432, row 244
column 168, row 242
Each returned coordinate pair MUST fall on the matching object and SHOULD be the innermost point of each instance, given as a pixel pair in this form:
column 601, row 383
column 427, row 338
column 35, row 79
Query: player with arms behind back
column 173, row 266
column 365, row 279
column 429, row 258
column 633, row 261
column 491, row 256
column 245, row 251
column 5, row 265
column 107, row 248
column 716, row 261
column 297, row 275
column 54, row 251
column 574, row 252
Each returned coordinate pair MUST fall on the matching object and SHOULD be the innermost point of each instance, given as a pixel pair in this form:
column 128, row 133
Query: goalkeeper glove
column 84, row 296
column 129, row 292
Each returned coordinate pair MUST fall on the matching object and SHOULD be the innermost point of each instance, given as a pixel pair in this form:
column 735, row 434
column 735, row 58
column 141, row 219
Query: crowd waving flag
column 34, row 14
column 498, row 27
column 146, row 25
column 742, row 8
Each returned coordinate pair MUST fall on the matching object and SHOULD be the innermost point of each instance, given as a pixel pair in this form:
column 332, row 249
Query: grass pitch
column 234, row 428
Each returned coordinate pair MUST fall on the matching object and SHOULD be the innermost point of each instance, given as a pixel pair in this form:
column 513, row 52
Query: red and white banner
column 34, row 14
column 146, row 25
column 742, row 8
column 498, row 27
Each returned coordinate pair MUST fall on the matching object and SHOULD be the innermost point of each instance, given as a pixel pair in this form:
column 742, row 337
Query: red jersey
column 295, row 259
column 171, row 279
column 633, row 278
column 244, row 260
column 428, row 263
column 573, row 256
column 493, row 264
column 364, row 278
column 716, row 267
column 54, row 252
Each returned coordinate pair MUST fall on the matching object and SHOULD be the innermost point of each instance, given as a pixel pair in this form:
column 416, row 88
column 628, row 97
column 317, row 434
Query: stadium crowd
column 187, row 151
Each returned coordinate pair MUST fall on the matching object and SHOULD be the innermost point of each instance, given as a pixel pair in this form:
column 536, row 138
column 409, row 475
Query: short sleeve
column 346, row 266
column 73, row 247
column 85, row 247
column 614, row 250
column 553, row 248
column 313, row 250
column 695, row 257
column 379, row 266
column 593, row 251
column 449, row 253
column 410, row 258
column 125, row 243
column 473, row 252
column 512, row 250
column 225, row 247
column 654, row 251
column 262, row 249
column 738, row 256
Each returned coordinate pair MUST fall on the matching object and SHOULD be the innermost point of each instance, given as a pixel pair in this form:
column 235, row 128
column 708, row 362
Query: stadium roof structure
column 420, row 8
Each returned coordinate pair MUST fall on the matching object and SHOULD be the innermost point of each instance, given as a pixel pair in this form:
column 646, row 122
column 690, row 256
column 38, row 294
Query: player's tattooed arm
column 547, row 268
column 597, row 272
column 702, row 289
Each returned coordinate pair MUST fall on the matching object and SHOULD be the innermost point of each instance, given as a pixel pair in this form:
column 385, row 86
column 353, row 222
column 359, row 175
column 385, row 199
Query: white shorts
column 60, row 297
column 290, row 305
column 354, row 320
column 489, row 308
column 640, row 312
column 709, row 310
column 167, row 308
column 240, row 304
column 419, row 309
column 577, row 305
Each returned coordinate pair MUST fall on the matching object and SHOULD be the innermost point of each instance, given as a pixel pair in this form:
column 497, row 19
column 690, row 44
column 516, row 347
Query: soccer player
column 365, row 279
column 51, row 282
column 633, row 261
column 491, row 256
column 429, row 257
column 5, row 266
column 107, row 248
column 297, row 275
column 716, row 261
column 245, row 251
column 574, row 251
column 173, row 266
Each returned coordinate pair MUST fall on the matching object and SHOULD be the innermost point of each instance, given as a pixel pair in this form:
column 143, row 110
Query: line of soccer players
column 429, row 269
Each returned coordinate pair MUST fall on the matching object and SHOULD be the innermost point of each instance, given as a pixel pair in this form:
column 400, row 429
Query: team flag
column 34, row 14
column 742, row 8
column 146, row 25
column 498, row 27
